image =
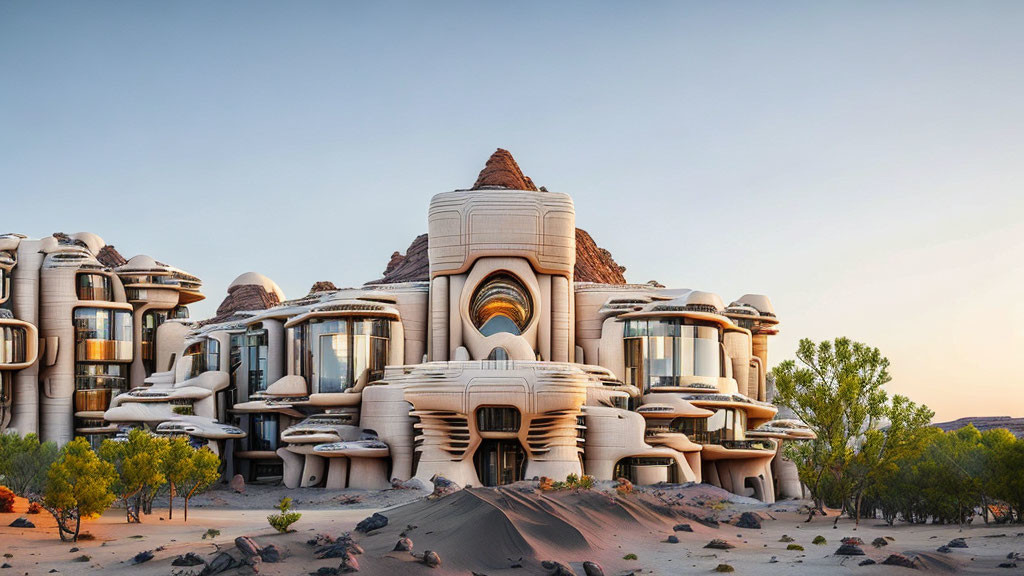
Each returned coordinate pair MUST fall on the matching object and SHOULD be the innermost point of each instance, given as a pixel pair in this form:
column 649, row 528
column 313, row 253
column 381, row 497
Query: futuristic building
column 503, row 345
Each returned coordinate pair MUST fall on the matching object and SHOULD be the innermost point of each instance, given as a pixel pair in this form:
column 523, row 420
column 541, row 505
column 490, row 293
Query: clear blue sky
column 859, row 162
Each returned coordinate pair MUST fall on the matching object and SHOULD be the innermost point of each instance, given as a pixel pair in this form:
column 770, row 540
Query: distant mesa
column 982, row 423
column 502, row 171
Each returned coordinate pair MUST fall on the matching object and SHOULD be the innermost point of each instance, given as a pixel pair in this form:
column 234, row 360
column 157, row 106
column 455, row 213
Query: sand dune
column 486, row 531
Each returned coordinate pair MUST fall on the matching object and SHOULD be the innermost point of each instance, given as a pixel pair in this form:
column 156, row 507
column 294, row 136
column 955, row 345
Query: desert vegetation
column 78, row 481
column 876, row 455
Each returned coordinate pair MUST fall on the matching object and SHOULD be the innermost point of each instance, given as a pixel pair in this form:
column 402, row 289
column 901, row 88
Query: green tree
column 177, row 468
column 203, row 470
column 78, row 483
column 836, row 389
column 138, row 462
column 286, row 518
column 24, row 462
column 880, row 448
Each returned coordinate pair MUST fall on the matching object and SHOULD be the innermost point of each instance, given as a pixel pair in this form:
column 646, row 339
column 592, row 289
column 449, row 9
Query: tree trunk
column 170, row 503
column 856, row 510
column 186, row 508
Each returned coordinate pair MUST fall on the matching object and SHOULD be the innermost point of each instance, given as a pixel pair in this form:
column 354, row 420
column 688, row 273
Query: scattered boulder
column 270, row 553
column 852, row 540
column 73, row 550
column 5, row 565
column 403, row 545
column 786, row 538
column 749, row 520
column 673, row 539
column 326, row 571
column 144, row 556
column 879, row 542
column 682, row 528
column 189, row 559
column 719, row 544
column 592, row 569
column 724, row 568
column 1008, row 565
column 221, row 563
column 866, row 562
column 944, row 549
column 849, row 550
column 374, row 522
column 557, row 568
column 339, row 548
column 898, row 560
column 773, row 560
column 22, row 522
column 431, row 558
column 82, row 558
column 349, row 563
column 957, row 543
column 247, row 546
column 238, row 483
column 443, row 487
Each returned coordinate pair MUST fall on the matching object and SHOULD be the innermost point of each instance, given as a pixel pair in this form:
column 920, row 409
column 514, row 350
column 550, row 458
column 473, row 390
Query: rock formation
column 501, row 171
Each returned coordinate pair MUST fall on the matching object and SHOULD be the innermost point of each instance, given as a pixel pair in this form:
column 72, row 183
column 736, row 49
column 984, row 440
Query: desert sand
column 487, row 531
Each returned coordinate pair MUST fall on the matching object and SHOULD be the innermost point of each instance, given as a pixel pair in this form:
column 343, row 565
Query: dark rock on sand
column 403, row 545
column 221, row 563
column 22, row 522
column 144, row 556
column 866, row 562
column 349, row 563
column 682, row 528
column 557, row 568
column 944, row 549
column 719, row 544
column 374, row 522
column 749, row 520
column 247, row 546
column 898, row 560
column 852, row 540
column 879, row 542
column 849, row 550
column 238, row 483
column 957, row 543
column 673, row 539
column 443, row 487
column 431, row 558
column 189, row 559
column 592, row 569
column 1008, row 565
column 270, row 553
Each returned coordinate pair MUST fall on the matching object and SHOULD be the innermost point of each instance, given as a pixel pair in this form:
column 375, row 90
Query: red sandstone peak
column 323, row 286
column 110, row 257
column 501, row 171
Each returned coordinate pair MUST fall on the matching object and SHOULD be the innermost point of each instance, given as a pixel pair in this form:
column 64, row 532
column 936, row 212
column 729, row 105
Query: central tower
column 501, row 269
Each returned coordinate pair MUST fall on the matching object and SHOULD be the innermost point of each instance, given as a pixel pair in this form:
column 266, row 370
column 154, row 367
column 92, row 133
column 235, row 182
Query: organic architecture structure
column 503, row 345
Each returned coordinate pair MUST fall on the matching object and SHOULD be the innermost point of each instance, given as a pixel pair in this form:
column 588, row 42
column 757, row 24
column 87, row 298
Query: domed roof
column 759, row 302
column 697, row 298
column 140, row 263
column 257, row 279
column 93, row 242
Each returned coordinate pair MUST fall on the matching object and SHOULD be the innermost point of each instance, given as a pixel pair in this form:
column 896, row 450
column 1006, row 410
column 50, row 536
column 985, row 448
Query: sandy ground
column 486, row 530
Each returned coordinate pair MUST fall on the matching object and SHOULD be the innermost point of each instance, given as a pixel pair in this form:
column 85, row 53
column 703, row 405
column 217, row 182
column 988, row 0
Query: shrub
column 34, row 508
column 724, row 568
column 819, row 540
column 211, row 534
column 796, row 547
column 6, row 499
column 282, row 521
column 546, row 484
column 629, row 556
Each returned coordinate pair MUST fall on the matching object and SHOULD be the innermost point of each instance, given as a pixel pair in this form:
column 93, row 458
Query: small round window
column 501, row 304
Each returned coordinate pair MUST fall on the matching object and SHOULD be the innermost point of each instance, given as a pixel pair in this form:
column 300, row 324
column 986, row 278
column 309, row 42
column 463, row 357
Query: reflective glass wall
column 660, row 352
column 336, row 354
